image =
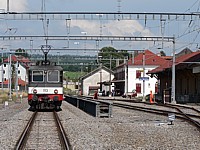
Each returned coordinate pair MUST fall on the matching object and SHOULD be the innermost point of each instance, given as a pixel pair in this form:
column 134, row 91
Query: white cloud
column 117, row 28
column 14, row 5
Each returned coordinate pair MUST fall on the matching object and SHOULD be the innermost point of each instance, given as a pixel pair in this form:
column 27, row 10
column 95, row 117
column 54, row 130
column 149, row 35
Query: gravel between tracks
column 127, row 130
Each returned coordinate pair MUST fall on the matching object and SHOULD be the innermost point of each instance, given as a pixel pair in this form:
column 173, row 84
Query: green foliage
column 21, row 52
column 109, row 55
column 74, row 76
column 162, row 53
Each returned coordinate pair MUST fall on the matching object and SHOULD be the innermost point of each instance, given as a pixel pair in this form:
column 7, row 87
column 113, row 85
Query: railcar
column 45, row 86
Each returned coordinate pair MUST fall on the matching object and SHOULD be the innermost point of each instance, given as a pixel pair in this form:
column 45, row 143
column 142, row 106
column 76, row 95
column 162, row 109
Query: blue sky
column 126, row 28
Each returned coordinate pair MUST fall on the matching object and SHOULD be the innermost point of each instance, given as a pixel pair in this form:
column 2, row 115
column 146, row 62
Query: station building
column 187, row 77
column 132, row 75
column 97, row 80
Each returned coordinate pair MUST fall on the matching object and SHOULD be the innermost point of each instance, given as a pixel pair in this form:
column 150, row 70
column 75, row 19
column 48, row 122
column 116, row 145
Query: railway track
column 186, row 113
column 43, row 131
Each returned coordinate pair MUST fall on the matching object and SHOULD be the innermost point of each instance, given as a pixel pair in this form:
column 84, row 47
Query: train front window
column 53, row 76
column 38, row 76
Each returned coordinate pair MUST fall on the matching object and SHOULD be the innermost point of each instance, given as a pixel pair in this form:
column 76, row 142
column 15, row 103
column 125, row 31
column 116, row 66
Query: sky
column 182, row 30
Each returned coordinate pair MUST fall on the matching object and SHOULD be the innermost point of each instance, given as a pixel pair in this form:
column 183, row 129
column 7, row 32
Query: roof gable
column 95, row 71
column 150, row 59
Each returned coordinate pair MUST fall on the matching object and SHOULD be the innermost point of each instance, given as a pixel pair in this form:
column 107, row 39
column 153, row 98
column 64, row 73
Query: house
column 19, row 65
column 187, row 77
column 97, row 80
column 132, row 75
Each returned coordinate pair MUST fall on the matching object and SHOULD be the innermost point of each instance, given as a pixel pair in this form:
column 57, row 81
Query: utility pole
column 110, row 77
column 8, row 6
column 2, row 71
column 173, row 94
column 100, row 77
column 10, row 77
column 143, row 63
column 126, row 74
column 16, row 82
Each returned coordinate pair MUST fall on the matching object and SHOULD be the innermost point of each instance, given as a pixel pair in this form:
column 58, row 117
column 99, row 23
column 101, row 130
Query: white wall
column 22, row 74
column 132, row 80
column 94, row 79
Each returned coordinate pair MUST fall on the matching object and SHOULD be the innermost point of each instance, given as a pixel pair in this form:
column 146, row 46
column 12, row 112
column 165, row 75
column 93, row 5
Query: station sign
column 144, row 78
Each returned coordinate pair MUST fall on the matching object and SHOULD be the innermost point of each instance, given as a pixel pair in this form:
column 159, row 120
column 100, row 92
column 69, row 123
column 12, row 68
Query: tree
column 108, row 54
column 162, row 53
column 21, row 52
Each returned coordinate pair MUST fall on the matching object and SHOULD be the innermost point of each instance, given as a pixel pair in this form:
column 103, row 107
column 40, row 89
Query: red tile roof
column 15, row 58
column 192, row 57
column 150, row 59
column 20, row 82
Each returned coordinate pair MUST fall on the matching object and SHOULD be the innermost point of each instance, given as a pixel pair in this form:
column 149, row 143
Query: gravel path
column 127, row 130
column 12, row 121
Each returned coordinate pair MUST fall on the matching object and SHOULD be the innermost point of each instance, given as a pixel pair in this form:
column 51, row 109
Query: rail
column 63, row 136
column 23, row 138
column 21, row 143
column 180, row 114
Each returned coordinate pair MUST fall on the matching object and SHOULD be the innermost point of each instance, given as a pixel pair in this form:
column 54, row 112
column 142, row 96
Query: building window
column 4, row 72
column 138, row 87
column 4, row 65
column 138, row 73
column 18, row 71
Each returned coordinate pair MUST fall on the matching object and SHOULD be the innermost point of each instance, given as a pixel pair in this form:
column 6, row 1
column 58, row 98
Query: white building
column 97, row 80
column 19, row 64
column 133, row 74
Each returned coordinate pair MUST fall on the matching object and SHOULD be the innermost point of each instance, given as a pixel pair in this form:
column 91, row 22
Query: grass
column 4, row 96
column 74, row 76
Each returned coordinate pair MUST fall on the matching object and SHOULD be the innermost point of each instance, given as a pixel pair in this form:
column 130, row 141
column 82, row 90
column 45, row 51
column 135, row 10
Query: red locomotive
column 45, row 86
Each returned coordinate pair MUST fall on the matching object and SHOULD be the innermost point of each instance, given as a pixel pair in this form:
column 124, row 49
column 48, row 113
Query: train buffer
column 171, row 118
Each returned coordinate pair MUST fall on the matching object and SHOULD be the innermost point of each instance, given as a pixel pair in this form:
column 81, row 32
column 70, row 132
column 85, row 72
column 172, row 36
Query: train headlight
column 34, row 91
column 56, row 91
